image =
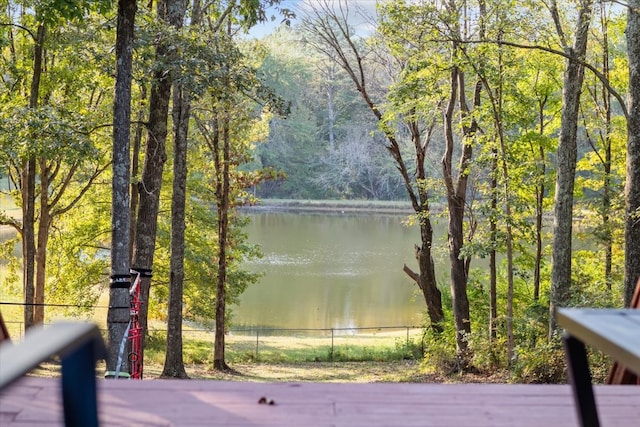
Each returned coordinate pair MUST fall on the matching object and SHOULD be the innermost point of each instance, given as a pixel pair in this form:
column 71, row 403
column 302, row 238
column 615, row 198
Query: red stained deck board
column 36, row 402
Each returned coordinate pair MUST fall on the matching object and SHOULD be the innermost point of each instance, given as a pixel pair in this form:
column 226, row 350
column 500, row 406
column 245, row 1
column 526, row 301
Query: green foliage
column 440, row 349
column 66, row 134
column 250, row 12
column 411, row 349
column 589, row 286
column 542, row 365
column 11, row 267
column 76, row 265
column 45, row 131
column 55, row 11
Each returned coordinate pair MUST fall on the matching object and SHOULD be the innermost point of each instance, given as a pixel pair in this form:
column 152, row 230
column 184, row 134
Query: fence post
column 257, row 343
column 407, row 337
column 332, row 344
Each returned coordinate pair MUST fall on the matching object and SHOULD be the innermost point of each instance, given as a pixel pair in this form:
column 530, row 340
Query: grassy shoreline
column 334, row 206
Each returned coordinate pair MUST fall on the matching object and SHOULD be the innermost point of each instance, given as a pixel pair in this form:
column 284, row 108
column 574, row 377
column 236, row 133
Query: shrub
column 440, row 351
column 544, row 364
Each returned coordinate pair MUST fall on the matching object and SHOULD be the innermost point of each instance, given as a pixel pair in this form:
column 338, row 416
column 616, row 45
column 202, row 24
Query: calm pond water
column 330, row 271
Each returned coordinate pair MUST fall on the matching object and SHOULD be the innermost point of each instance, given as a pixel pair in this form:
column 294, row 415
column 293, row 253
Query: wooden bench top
column 616, row 332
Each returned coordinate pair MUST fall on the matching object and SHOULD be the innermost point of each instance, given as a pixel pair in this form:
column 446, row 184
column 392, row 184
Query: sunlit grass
column 378, row 347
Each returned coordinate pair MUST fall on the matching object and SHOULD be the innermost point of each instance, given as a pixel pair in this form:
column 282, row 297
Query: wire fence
column 313, row 343
column 284, row 343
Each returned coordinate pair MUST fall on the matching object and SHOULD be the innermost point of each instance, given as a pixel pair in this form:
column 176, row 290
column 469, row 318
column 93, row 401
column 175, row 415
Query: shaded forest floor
column 356, row 372
column 408, row 371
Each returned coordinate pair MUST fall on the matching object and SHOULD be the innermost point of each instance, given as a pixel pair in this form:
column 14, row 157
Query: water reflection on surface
column 330, row 271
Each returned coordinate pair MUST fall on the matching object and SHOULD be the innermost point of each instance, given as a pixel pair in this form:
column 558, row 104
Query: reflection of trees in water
column 329, row 271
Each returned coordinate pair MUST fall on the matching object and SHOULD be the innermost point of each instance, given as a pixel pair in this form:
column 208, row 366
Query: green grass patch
column 383, row 347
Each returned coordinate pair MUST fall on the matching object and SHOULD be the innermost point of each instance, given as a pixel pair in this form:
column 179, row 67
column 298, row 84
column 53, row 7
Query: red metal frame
column 135, row 331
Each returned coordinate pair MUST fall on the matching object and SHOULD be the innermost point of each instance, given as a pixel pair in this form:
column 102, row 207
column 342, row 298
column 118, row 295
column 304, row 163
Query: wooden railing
column 79, row 346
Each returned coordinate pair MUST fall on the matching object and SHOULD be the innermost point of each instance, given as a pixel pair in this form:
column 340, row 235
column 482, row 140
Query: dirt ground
column 363, row 372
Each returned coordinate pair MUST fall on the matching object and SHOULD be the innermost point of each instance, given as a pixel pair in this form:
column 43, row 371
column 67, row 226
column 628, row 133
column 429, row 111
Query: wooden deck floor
column 36, row 402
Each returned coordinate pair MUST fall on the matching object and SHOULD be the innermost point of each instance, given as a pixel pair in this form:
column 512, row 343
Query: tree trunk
column 41, row 249
column 174, row 362
column 427, row 277
column 493, row 231
column 540, row 191
column 28, row 238
column 222, row 189
column 29, row 192
column 118, row 313
column 606, row 140
column 149, row 190
column 456, row 197
column 496, row 98
column 135, row 168
column 566, row 167
column 632, row 187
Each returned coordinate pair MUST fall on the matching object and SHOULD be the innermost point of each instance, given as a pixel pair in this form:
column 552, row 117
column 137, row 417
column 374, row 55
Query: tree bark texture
column 174, row 362
column 430, row 291
column 566, row 167
column 28, row 238
column 135, row 168
column 118, row 313
column 41, row 248
column 632, row 185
